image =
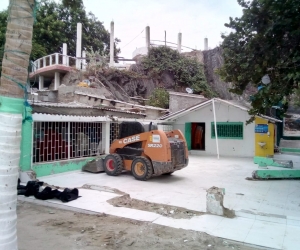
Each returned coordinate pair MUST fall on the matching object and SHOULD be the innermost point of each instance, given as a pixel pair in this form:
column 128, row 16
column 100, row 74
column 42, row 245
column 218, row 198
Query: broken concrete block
column 214, row 202
column 284, row 163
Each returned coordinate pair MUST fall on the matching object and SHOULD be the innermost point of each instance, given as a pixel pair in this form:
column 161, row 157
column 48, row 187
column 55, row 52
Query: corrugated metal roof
column 81, row 106
column 60, row 104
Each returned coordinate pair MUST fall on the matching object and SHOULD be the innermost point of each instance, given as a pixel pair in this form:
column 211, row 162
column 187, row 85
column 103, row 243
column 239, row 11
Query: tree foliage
column 186, row 71
column 56, row 23
column 264, row 41
column 159, row 98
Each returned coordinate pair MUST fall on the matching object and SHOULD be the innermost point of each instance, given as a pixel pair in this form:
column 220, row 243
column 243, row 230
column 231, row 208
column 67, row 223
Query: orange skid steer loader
column 146, row 151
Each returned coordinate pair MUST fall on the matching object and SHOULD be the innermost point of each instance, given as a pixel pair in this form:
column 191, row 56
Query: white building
column 234, row 137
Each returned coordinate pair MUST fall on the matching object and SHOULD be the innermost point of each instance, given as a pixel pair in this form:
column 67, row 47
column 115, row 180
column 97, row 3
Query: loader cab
column 133, row 128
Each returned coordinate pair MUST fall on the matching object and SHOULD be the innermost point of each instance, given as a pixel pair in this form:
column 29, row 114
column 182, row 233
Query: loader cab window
column 198, row 136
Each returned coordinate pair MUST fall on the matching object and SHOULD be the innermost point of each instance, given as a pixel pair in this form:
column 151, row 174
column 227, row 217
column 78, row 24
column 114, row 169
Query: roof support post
column 105, row 136
column 215, row 122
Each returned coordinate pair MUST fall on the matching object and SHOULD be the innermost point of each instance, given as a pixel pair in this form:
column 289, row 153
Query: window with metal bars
column 228, row 130
column 114, row 131
column 54, row 141
column 165, row 127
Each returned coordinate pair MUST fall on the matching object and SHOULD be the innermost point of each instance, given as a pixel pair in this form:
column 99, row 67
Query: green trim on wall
column 228, row 130
column 290, row 150
column 26, row 143
column 277, row 174
column 43, row 169
column 11, row 105
column 188, row 134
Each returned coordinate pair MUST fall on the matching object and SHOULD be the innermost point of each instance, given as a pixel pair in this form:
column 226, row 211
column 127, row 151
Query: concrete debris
column 214, row 202
column 284, row 163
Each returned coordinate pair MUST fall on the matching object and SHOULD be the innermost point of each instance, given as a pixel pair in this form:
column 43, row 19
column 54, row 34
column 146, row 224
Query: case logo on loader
column 131, row 139
column 154, row 145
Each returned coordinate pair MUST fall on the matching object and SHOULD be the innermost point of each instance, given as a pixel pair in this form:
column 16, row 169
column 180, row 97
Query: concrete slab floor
column 261, row 205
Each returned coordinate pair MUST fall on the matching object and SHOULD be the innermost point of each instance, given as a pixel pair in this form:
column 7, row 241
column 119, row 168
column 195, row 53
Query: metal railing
column 53, row 59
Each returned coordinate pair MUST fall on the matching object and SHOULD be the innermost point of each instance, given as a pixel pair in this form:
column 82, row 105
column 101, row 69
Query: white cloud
column 195, row 19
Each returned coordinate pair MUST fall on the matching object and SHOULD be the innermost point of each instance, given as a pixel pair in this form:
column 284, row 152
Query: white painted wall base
column 26, row 176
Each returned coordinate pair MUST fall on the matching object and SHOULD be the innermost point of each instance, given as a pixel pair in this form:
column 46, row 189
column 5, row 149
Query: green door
column 188, row 134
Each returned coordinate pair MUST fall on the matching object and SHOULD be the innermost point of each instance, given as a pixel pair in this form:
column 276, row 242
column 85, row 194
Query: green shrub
column 159, row 98
column 186, row 71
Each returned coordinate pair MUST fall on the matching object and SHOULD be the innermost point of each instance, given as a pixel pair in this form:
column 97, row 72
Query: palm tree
column 12, row 85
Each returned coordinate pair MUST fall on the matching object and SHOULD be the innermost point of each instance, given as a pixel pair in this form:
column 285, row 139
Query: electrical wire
column 133, row 39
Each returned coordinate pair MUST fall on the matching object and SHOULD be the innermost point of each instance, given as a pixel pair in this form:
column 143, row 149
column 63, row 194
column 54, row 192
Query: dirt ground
column 162, row 209
column 47, row 228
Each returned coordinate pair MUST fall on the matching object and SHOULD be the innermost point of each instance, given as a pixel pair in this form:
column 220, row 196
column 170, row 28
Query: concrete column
column 205, row 43
column 78, row 45
column 65, row 53
column 56, row 58
column 148, row 38
column 41, row 82
column 83, row 60
column 112, row 43
column 56, row 80
column 105, row 137
column 179, row 42
column 26, row 149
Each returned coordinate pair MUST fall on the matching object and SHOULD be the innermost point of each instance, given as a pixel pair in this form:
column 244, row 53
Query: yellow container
column 264, row 137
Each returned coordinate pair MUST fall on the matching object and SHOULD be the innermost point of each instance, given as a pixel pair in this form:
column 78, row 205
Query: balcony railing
column 53, row 59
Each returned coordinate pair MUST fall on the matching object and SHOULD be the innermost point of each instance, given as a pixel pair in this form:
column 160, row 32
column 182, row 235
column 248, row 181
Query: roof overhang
column 83, row 111
column 209, row 102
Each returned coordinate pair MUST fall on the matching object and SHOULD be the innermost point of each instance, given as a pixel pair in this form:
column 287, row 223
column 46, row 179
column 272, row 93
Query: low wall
column 56, row 167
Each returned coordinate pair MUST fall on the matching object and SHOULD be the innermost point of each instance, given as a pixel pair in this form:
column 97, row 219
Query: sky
column 195, row 19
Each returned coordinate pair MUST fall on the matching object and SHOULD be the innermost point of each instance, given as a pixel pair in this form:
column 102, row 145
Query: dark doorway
column 198, row 136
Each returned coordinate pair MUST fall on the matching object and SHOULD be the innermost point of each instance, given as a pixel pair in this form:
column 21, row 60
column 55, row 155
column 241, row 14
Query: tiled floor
column 266, row 234
column 268, row 212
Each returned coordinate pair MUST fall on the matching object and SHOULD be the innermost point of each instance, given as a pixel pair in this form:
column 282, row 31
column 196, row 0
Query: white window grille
column 114, row 131
column 54, row 141
column 165, row 127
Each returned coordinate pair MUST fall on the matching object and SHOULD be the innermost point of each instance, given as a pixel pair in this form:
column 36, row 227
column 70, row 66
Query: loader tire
column 168, row 173
column 141, row 168
column 113, row 164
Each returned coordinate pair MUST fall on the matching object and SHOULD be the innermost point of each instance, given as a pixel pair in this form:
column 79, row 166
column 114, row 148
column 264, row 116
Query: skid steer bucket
column 94, row 166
